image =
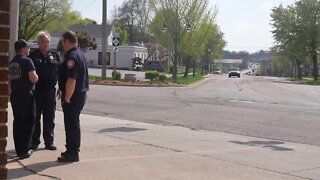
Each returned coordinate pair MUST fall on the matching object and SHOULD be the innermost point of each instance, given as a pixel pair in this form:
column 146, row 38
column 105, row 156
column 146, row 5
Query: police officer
column 22, row 79
column 74, row 84
column 47, row 64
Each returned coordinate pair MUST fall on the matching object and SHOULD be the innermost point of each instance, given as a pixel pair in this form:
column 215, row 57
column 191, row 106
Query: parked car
column 234, row 72
column 216, row 71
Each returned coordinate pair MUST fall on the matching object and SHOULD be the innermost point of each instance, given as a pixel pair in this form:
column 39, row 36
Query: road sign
column 115, row 43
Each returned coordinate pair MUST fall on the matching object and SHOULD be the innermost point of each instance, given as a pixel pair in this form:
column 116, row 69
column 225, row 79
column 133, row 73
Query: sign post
column 115, row 43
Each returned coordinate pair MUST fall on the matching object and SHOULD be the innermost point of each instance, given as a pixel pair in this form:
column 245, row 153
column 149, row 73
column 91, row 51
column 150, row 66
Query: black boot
column 25, row 155
column 69, row 157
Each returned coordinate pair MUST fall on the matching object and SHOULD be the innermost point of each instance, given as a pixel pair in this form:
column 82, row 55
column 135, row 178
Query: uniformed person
column 47, row 64
column 74, row 84
column 22, row 79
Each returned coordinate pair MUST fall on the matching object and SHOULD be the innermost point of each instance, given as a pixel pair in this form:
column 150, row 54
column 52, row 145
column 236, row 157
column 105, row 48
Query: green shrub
column 152, row 75
column 162, row 77
column 118, row 75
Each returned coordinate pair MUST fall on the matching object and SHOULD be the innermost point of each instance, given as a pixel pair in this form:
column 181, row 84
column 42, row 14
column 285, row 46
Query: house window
column 94, row 39
column 100, row 59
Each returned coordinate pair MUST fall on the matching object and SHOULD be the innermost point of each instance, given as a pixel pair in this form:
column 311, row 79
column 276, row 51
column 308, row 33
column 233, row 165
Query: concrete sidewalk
column 118, row 149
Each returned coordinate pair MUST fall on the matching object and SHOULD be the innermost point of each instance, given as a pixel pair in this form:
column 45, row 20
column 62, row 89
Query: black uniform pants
column 45, row 106
column 71, row 112
column 23, row 107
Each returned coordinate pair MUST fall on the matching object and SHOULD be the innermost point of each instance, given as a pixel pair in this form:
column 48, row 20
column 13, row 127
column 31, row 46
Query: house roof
column 92, row 29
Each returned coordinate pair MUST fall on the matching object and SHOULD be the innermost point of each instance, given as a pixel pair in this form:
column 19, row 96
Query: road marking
column 244, row 83
column 243, row 101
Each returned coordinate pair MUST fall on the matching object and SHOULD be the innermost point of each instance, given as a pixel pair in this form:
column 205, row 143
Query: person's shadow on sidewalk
column 23, row 171
column 273, row 145
column 33, row 169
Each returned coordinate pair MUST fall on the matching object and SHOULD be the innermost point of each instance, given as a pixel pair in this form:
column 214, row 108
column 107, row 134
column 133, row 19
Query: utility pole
column 175, row 43
column 115, row 66
column 104, row 40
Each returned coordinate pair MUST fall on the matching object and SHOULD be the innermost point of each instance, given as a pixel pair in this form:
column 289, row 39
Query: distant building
column 227, row 64
column 229, row 61
column 125, row 54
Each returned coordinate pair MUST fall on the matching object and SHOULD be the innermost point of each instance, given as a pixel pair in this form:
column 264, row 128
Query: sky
column 245, row 23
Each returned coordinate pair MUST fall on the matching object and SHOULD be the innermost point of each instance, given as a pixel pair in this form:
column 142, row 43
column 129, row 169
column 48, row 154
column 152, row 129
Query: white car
column 216, row 71
column 234, row 72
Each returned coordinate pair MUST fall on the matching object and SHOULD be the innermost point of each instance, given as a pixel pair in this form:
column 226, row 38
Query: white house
column 124, row 55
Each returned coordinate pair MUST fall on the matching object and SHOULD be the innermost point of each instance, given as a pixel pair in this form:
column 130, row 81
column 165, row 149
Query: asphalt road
column 255, row 106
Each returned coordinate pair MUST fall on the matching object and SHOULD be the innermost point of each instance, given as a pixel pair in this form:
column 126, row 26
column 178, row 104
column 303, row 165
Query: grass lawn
column 181, row 80
column 95, row 78
column 306, row 80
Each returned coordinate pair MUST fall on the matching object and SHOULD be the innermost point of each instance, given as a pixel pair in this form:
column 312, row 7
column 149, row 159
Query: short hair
column 20, row 44
column 43, row 34
column 71, row 37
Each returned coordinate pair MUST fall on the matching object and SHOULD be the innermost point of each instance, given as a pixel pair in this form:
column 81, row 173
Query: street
column 185, row 137
column 262, row 107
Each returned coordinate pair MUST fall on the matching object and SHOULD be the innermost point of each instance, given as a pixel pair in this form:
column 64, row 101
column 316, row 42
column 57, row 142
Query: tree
column 281, row 66
column 123, row 35
column 85, row 41
column 297, row 33
column 290, row 40
column 35, row 15
column 69, row 18
column 134, row 16
column 50, row 15
column 179, row 15
column 308, row 13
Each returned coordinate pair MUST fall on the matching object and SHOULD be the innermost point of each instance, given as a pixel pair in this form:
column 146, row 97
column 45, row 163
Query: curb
column 193, row 85
column 196, row 84
column 140, row 85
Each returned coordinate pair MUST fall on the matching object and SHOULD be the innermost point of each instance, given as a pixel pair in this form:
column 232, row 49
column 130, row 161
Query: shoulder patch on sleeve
column 70, row 63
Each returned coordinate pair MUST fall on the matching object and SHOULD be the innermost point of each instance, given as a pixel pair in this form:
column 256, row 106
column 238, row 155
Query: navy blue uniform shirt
column 74, row 67
column 19, row 69
column 47, row 66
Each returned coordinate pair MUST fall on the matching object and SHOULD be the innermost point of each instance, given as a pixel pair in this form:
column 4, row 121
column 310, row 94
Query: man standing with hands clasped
column 74, row 84
column 47, row 64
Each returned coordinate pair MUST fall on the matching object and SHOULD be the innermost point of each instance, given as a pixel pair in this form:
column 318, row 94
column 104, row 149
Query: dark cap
column 18, row 45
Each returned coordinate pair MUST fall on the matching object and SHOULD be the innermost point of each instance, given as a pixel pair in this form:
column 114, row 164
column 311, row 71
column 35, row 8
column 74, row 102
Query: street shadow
column 121, row 129
column 34, row 169
column 274, row 145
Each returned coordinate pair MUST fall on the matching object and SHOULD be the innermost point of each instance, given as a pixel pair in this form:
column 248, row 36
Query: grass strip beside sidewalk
column 181, row 80
column 306, row 80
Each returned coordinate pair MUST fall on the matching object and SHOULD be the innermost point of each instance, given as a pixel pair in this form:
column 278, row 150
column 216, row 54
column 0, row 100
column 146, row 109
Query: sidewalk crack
column 256, row 167
column 25, row 168
column 301, row 170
